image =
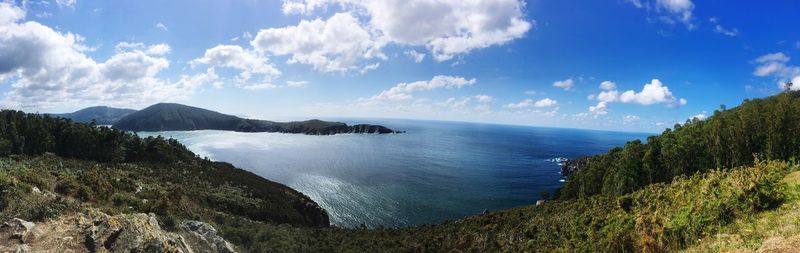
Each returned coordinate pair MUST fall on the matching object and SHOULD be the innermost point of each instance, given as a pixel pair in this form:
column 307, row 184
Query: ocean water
column 434, row 172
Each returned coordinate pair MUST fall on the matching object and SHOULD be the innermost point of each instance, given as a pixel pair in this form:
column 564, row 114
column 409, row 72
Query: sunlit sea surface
column 434, row 172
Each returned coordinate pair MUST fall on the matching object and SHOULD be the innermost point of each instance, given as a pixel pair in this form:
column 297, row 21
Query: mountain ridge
column 101, row 115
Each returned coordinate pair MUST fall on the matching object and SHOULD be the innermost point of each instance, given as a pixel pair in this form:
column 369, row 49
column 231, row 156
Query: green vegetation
column 114, row 163
column 177, row 117
column 765, row 128
column 101, row 115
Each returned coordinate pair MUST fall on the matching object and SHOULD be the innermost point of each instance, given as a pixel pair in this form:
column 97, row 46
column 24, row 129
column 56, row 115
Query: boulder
column 18, row 229
column 202, row 237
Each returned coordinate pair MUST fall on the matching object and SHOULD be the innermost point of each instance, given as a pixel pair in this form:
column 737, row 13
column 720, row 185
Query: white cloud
column 564, row 84
column 652, row 93
column 162, row 27
column 608, row 85
column 236, row 57
column 484, row 98
column 455, row 103
column 260, row 86
column 774, row 57
column 527, row 103
column 530, row 92
column 296, row 84
column 700, row 116
column 127, row 46
column 445, row 27
column 630, row 119
column 670, row 11
column 522, row 104
column 413, row 54
column 598, row 110
column 724, row 31
column 47, row 68
column 776, row 65
column 338, row 44
column 546, row 102
column 608, row 96
column 158, row 49
column 66, row 3
column 403, row 91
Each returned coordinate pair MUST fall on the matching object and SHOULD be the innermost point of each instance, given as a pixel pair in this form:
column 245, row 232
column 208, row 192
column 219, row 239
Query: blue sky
column 632, row 65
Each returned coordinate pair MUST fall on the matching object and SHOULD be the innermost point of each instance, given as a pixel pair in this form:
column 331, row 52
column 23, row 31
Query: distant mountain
column 102, row 115
column 178, row 117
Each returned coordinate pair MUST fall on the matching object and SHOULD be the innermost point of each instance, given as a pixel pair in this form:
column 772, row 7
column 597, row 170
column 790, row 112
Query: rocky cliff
column 95, row 231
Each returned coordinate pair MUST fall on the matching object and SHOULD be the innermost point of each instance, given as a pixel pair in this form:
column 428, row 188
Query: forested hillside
column 759, row 128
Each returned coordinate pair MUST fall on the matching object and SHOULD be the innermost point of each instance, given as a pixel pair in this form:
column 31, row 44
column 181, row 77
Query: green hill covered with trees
column 759, row 128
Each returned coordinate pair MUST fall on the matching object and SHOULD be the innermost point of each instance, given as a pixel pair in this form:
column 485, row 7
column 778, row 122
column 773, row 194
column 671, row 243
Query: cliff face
column 574, row 165
column 177, row 117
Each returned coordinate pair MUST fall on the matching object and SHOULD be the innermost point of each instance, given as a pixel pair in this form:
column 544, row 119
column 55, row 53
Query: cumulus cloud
column 652, row 93
column 236, row 57
column 564, row 84
column 445, row 27
column 776, row 65
column 158, row 49
column 600, row 109
column 608, row 85
column 700, row 116
column 403, row 91
column 338, row 44
column 47, row 68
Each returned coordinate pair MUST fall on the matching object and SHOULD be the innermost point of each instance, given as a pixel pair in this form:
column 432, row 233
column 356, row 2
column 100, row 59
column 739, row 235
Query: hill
column 177, row 117
column 757, row 129
column 102, row 115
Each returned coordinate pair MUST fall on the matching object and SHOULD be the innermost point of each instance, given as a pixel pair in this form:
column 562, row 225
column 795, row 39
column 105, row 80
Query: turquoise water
column 434, row 172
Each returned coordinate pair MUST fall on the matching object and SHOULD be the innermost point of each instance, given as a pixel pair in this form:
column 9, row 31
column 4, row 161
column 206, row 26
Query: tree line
column 759, row 128
column 33, row 134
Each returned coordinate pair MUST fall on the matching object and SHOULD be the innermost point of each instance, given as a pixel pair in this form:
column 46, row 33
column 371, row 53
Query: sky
column 625, row 65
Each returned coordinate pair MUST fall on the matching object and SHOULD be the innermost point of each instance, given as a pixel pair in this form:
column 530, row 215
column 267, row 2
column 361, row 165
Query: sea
column 434, row 172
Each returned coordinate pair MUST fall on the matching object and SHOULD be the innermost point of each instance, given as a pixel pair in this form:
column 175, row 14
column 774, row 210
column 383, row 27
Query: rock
column 573, row 165
column 18, row 228
column 540, row 202
column 128, row 233
column 202, row 237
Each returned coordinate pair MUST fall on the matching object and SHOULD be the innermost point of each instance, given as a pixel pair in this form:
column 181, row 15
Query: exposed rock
column 127, row 233
column 573, row 165
column 17, row 229
column 203, row 238
column 540, row 202
column 96, row 231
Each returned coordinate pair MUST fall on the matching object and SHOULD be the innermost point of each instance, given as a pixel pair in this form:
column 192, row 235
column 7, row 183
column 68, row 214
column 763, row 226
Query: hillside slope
column 102, row 115
column 177, row 117
column 759, row 128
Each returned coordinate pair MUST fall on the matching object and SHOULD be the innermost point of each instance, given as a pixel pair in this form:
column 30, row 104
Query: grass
column 775, row 227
